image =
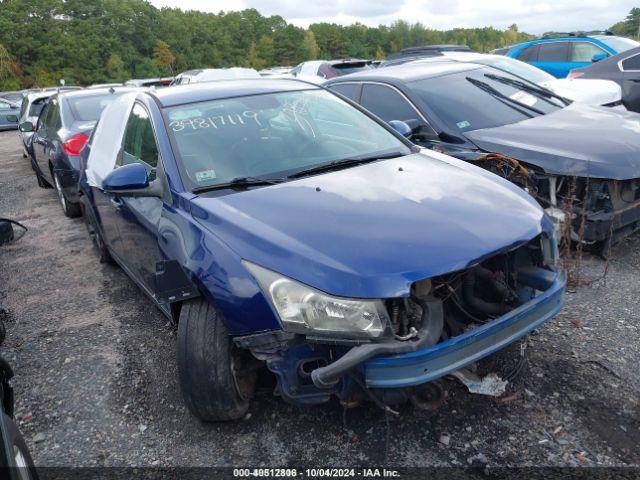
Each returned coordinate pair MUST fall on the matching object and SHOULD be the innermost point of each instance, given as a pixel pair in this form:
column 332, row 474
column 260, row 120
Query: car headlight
column 304, row 309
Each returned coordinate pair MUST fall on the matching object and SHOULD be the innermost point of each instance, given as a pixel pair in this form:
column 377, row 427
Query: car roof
column 216, row 90
column 570, row 37
column 36, row 95
column 408, row 72
column 622, row 55
column 90, row 92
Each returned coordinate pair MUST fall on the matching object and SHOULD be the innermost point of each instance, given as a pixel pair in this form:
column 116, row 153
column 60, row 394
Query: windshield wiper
column 541, row 92
column 239, row 182
column 346, row 162
column 504, row 98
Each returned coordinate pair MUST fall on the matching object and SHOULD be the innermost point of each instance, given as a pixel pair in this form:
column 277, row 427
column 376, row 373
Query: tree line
column 42, row 41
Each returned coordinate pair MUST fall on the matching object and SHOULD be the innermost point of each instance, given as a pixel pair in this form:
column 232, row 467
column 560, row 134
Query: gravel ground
column 96, row 380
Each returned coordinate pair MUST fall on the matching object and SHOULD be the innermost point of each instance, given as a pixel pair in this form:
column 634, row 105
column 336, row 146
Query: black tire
column 214, row 383
column 70, row 209
column 96, row 237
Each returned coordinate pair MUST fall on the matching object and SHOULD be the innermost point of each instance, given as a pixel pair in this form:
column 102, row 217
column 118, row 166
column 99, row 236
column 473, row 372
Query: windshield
column 619, row 44
column 271, row 136
column 462, row 105
column 37, row 106
column 518, row 68
column 351, row 67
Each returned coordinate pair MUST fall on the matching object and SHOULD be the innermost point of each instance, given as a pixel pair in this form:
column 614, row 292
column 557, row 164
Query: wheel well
column 175, row 309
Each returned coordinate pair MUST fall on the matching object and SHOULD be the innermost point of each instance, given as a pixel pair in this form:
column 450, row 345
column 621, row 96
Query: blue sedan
column 280, row 226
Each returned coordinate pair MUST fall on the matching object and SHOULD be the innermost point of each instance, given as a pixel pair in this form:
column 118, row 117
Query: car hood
column 579, row 140
column 372, row 230
column 589, row 91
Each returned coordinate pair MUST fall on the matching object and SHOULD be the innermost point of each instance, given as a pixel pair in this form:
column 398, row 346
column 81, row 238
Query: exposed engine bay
column 310, row 370
column 469, row 297
column 590, row 211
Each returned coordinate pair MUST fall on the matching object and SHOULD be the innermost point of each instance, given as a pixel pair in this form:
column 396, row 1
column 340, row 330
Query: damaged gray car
column 582, row 163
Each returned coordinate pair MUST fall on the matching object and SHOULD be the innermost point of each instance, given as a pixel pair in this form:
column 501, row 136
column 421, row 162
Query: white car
column 592, row 92
column 212, row 74
column 317, row 71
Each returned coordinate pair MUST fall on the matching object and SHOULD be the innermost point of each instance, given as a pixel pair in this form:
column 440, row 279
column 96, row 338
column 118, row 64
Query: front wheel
column 216, row 377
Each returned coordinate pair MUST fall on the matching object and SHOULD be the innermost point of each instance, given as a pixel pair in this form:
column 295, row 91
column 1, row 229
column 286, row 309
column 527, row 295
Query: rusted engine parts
column 586, row 211
column 508, row 168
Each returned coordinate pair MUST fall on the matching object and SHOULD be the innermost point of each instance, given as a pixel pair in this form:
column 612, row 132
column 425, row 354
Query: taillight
column 574, row 75
column 74, row 145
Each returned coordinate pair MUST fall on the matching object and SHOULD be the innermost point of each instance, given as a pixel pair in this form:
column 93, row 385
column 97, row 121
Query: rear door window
column 387, row 103
column 42, row 124
column 349, row 90
column 54, row 122
column 631, row 64
column 553, row 52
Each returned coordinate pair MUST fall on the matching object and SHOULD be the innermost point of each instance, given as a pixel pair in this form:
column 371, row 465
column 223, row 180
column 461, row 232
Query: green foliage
column 110, row 40
column 253, row 60
column 266, row 50
column 629, row 27
column 311, row 48
column 115, row 68
column 163, row 57
column 9, row 71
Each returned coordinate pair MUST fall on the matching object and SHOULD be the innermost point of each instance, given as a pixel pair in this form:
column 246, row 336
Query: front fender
column 216, row 271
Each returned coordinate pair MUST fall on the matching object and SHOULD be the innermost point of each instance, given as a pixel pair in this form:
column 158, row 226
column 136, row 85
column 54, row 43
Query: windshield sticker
column 524, row 97
column 218, row 121
column 205, row 175
column 463, row 124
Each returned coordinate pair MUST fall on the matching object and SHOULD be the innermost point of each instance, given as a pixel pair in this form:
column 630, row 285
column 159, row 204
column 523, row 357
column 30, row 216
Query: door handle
column 116, row 202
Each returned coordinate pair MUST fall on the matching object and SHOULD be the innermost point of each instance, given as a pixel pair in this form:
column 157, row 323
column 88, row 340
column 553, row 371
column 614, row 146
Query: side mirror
column 132, row 177
column 12, row 118
column 598, row 56
column 26, row 127
column 418, row 131
column 401, row 127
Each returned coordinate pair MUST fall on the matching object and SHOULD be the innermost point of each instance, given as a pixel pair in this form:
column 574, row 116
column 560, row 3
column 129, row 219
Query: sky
column 531, row 16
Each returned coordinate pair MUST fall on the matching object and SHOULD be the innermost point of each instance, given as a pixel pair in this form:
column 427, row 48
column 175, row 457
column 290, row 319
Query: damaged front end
column 389, row 349
column 592, row 211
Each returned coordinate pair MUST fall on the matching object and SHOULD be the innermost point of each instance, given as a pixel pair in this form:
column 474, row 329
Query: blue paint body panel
column 560, row 69
column 368, row 231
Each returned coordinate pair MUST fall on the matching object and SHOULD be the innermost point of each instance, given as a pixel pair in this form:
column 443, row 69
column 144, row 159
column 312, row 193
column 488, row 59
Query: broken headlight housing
column 303, row 309
column 550, row 253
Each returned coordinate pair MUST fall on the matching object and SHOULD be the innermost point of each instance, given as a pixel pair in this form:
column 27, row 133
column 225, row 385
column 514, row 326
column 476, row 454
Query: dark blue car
column 59, row 135
column 278, row 225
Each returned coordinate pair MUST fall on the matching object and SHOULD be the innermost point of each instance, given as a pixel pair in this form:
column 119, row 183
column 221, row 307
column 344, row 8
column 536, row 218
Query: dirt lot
column 96, row 381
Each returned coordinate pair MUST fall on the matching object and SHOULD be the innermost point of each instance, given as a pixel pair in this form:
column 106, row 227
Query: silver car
column 32, row 105
column 9, row 113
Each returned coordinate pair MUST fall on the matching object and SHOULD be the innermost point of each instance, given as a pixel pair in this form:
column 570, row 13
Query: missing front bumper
column 425, row 365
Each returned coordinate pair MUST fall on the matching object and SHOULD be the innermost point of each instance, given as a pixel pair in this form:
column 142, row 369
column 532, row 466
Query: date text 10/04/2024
column 315, row 472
